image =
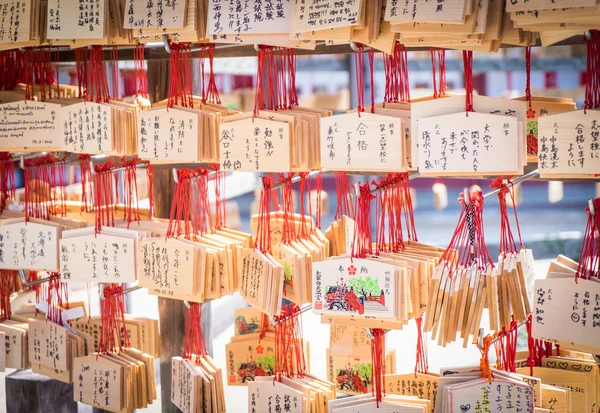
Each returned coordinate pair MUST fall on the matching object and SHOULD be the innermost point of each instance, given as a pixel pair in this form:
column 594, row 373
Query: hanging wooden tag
column 104, row 258
column 266, row 395
column 30, row 126
column 87, row 128
column 311, row 15
column 249, row 359
column 521, row 5
column 170, row 135
column 140, row 15
column 265, row 19
column 474, row 144
column 17, row 25
column 29, row 245
column 100, row 382
column 257, row 145
column 500, row 393
column 456, row 104
column 366, row 143
column 70, row 20
column 354, row 288
column 565, row 313
column 453, row 11
column 569, row 144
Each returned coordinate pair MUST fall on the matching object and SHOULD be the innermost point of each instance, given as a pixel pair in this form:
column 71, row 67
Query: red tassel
column 263, row 233
column 342, row 192
column 289, row 344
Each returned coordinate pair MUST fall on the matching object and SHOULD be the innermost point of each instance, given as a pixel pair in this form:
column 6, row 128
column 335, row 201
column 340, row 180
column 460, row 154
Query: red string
column 7, row 179
column 378, row 364
column 220, row 197
column 468, row 237
column 342, row 191
column 114, row 61
column 442, row 62
column 304, row 231
column 290, row 360
column 288, row 233
column 193, row 343
column 45, row 184
column 528, row 74
column 130, row 191
column 319, row 190
column 362, row 245
column 141, row 76
column 263, row 233
column 104, row 195
column 592, row 73
column 87, row 200
column 421, row 365
column 359, row 60
column 589, row 261
column 180, row 80
column 371, row 53
column 468, row 68
column 433, row 65
column 113, row 331
column 5, row 292
column 81, row 62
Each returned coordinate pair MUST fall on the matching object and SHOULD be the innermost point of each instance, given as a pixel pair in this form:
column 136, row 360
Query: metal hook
column 467, row 196
column 596, row 358
column 22, row 162
column 354, row 47
column 369, row 333
column 592, row 207
column 186, row 303
column 166, row 43
column 480, row 339
column 101, row 287
column 175, row 176
column 588, row 34
column 257, row 48
column 357, row 189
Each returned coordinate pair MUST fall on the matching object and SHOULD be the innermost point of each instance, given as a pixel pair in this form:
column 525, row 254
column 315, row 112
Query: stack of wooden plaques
column 392, row 402
column 349, row 130
column 560, row 290
column 300, row 394
column 442, row 126
column 197, row 385
column 85, row 254
column 16, row 353
column 53, row 348
column 312, row 20
column 423, row 386
column 185, row 21
column 272, row 141
column 341, row 235
column 98, row 128
column 358, row 289
column 349, row 362
column 554, row 20
column 209, row 265
column 266, row 25
column 570, row 382
column 141, row 331
column 20, row 25
column 568, row 144
column 458, row 24
column 463, row 389
column 179, row 134
column 251, row 353
column 297, row 256
column 119, row 382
